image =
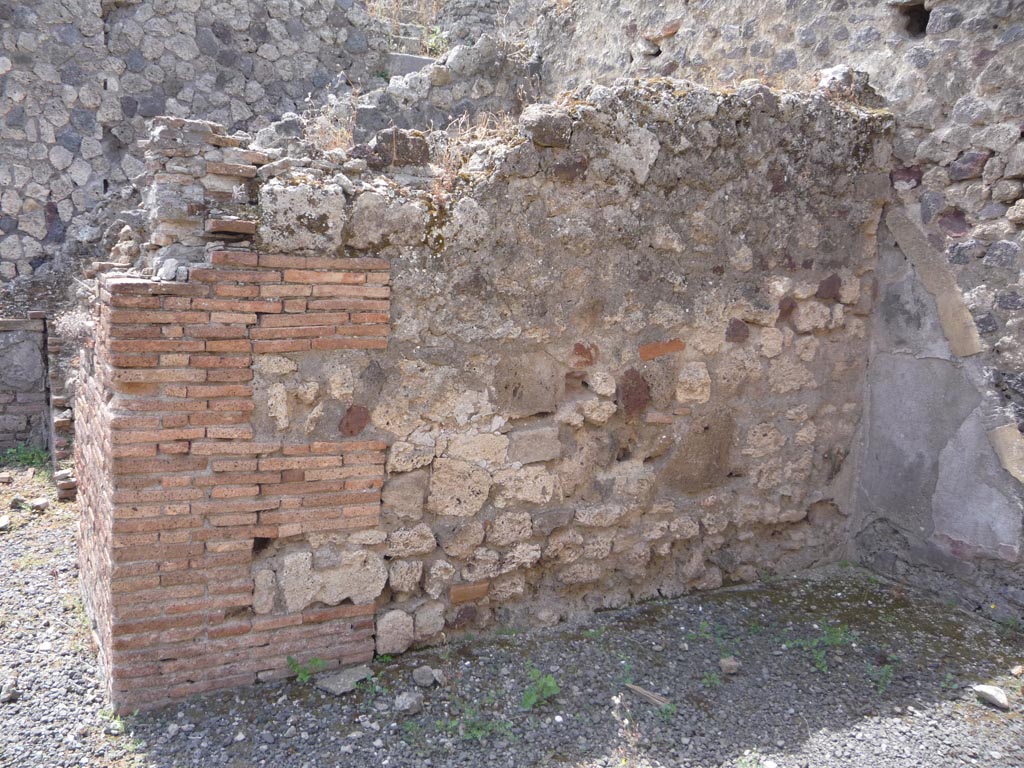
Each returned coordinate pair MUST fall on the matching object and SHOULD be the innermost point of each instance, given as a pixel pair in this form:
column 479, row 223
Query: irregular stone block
column 737, row 331
column 397, row 147
column 599, row 515
column 411, row 541
column 439, row 575
column 528, row 385
column 457, row 488
column 564, row 546
column 359, row 577
column 546, row 125
column 530, row 484
column 429, row 620
column 481, row 448
column 634, row 393
column 376, row 221
column 547, row 520
column 580, row 573
column 702, row 457
column 395, row 632
column 509, row 528
column 460, row 540
column 530, row 446
column 694, row 383
column 598, row 412
column 811, row 316
column 301, row 216
column 404, row 575
column 264, row 591
column 296, row 580
column 343, row 681
column 521, row 556
column 405, row 457
column 406, row 494
column 482, row 565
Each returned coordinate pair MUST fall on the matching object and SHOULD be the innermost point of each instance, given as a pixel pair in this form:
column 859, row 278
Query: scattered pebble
column 729, row 665
column 409, row 703
column 993, row 695
column 423, row 676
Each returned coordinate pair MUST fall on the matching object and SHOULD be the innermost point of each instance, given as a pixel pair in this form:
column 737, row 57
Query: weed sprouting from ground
column 542, row 687
column 24, row 456
column 304, row 672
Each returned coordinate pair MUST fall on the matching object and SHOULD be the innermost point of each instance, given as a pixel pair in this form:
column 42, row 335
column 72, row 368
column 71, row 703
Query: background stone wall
column 562, row 370
column 80, row 78
column 950, row 72
column 23, row 401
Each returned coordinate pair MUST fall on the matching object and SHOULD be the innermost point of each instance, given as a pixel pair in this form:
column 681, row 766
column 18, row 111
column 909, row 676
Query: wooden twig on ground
column 650, row 696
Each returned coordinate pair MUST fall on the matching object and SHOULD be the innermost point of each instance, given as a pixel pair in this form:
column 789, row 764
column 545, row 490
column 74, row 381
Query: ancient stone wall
column 79, row 79
column 945, row 497
column 23, row 406
column 564, row 368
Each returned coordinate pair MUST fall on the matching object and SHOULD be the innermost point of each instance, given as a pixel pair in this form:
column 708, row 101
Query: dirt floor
column 833, row 668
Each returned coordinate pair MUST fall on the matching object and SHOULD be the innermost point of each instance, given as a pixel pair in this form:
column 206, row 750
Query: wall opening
column 915, row 19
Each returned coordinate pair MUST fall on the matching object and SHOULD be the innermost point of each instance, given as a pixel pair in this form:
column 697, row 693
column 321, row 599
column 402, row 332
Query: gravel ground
column 836, row 668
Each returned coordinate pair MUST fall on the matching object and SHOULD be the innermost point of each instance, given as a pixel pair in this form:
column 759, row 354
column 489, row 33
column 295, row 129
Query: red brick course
column 176, row 486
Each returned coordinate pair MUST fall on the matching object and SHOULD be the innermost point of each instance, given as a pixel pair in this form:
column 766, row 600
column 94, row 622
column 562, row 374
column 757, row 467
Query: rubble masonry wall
column 615, row 352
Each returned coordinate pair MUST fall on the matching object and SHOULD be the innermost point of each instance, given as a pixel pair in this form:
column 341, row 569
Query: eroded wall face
column 616, row 353
column 23, row 408
column 943, row 502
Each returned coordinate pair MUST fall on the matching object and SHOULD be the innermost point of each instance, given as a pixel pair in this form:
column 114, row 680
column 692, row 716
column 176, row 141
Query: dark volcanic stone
column 737, row 331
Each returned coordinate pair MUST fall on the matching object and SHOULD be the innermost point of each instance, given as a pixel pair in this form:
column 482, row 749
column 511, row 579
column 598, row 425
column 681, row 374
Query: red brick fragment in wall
column 634, row 393
column 660, row 348
column 355, row 420
column 583, row 355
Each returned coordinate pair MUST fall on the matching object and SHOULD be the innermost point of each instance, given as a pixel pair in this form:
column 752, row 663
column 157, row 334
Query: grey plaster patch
column 975, row 509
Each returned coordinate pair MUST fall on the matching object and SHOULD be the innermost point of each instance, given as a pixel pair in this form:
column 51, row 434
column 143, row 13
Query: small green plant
column 412, row 732
column 384, row 658
column 304, row 672
column 949, row 682
column 703, row 632
column 750, row 759
column 435, row 44
column 668, row 711
column 371, row 686
column 881, row 676
column 542, row 687
column 711, row 680
column 832, row 636
column 594, row 634
column 469, row 724
column 1010, row 625
column 625, row 660
column 25, row 456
